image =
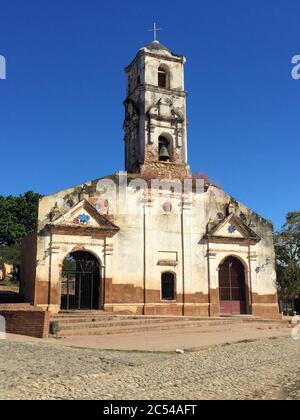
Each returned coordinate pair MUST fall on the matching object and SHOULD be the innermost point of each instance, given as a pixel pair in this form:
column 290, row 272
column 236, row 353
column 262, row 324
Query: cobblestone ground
column 265, row 369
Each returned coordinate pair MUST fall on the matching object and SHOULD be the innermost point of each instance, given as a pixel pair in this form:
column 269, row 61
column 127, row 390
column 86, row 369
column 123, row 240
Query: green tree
column 287, row 247
column 10, row 255
column 18, row 218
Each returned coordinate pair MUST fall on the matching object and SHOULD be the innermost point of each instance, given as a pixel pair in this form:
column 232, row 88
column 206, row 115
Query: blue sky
column 61, row 110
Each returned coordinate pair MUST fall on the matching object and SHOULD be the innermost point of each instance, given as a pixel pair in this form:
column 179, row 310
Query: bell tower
column 155, row 114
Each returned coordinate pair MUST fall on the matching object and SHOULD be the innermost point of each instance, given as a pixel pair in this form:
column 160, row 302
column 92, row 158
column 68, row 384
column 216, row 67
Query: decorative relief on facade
column 54, row 213
column 231, row 229
column 108, row 249
column 101, row 205
column 83, row 219
column 131, row 128
column 167, row 207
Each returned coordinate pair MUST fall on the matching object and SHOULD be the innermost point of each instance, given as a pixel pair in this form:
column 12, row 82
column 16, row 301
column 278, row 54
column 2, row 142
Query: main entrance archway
column 80, row 283
column 232, row 287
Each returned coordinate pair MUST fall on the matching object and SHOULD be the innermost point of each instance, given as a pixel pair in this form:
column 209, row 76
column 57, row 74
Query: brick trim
column 34, row 323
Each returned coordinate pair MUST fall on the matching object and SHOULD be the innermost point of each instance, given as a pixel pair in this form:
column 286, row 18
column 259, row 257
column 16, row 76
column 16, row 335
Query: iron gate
column 79, row 290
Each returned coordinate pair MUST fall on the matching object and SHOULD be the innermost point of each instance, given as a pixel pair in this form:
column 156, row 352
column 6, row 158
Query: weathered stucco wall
column 158, row 241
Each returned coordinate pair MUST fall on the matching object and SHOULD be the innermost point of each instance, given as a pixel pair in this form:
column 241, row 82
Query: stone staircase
column 102, row 323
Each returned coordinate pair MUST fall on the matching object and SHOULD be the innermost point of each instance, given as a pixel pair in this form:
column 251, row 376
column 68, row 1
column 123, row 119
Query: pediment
column 232, row 229
column 84, row 218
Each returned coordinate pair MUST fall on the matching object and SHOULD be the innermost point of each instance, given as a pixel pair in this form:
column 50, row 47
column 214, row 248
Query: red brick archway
column 232, row 286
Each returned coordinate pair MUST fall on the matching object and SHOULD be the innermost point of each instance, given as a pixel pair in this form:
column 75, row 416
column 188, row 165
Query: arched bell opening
column 164, row 147
column 163, row 77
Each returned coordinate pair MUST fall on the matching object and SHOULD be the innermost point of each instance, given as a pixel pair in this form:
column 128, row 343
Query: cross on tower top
column 155, row 30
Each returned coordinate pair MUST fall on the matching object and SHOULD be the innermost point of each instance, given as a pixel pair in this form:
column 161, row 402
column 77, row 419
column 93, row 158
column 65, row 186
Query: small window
column 162, row 78
column 168, row 286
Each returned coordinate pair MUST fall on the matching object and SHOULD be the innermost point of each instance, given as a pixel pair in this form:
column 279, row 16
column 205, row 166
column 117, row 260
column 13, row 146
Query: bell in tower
column 164, row 155
column 155, row 123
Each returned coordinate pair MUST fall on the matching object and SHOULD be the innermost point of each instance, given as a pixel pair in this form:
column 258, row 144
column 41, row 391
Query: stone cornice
column 156, row 89
column 77, row 230
column 233, row 240
column 174, row 58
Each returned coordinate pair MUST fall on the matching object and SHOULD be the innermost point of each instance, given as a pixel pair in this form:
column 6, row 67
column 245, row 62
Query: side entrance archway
column 232, row 287
column 80, row 282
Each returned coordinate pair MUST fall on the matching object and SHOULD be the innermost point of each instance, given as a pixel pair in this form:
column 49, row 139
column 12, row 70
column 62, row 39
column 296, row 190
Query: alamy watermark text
column 296, row 68
column 2, row 67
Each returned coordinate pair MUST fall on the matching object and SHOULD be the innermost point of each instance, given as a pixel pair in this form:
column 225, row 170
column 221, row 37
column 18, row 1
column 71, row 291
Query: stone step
column 63, row 314
column 106, row 321
column 119, row 329
column 90, row 315
column 116, row 323
column 87, row 317
column 102, row 323
column 108, row 317
column 66, row 320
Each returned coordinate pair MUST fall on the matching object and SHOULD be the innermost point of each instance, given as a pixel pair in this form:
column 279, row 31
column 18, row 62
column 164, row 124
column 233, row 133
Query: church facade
column 153, row 239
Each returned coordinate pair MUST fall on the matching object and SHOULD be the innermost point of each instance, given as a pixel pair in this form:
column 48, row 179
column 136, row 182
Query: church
column 152, row 239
